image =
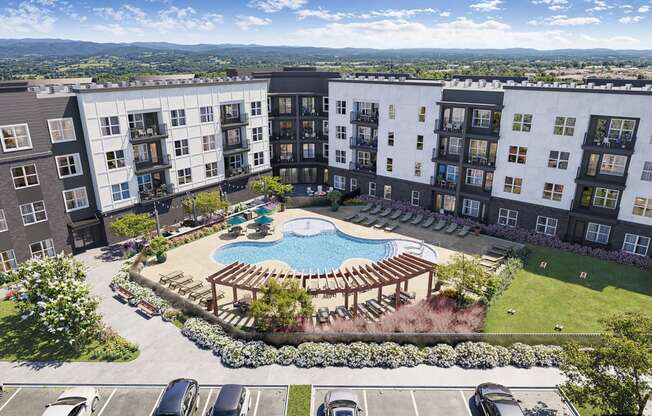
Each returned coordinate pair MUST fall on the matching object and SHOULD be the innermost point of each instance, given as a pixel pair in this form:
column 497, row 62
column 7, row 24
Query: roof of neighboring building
column 165, row 77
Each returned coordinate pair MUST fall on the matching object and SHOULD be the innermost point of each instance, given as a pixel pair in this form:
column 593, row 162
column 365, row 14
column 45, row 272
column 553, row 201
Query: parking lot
column 442, row 402
column 132, row 401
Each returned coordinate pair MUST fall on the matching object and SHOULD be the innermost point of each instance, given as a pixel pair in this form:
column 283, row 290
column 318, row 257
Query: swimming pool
column 308, row 244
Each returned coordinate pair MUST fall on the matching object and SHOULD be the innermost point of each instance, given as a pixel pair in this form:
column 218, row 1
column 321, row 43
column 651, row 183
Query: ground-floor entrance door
column 579, row 230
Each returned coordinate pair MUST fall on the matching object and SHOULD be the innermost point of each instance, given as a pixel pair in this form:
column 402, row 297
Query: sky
column 541, row 24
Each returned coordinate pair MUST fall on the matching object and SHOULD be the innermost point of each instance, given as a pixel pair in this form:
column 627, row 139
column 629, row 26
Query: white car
column 80, row 401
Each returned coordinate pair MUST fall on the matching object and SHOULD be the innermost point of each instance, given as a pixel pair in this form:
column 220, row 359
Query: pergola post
column 355, row 303
column 430, row 276
column 214, row 300
column 405, row 285
column 380, row 294
column 235, row 294
column 254, row 294
column 397, row 296
column 346, row 299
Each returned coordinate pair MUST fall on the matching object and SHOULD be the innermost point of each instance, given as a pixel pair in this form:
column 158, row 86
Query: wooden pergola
column 348, row 281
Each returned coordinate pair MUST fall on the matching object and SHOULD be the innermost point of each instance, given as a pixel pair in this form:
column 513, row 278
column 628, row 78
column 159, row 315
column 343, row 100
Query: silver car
column 80, row 401
column 341, row 403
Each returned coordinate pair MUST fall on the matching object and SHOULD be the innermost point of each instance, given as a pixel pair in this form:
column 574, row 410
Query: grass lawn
column 299, row 398
column 21, row 341
column 543, row 298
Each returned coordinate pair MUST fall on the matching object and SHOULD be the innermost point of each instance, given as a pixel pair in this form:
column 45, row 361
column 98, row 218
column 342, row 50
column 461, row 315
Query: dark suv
column 180, row 398
column 496, row 400
column 233, row 400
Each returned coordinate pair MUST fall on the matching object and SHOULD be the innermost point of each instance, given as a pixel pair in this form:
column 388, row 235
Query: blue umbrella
column 263, row 220
column 238, row 219
column 263, row 211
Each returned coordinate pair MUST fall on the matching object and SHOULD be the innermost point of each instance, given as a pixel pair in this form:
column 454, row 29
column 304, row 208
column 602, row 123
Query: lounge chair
column 376, row 210
column 350, row 217
column 440, row 225
column 396, row 214
column 428, row 222
column 406, row 217
column 343, row 313
column 451, row 228
column 464, row 231
column 323, row 315
column 380, row 224
column 386, row 212
column 359, row 220
column 165, row 278
column 369, row 222
column 391, row 227
column 366, row 208
column 416, row 220
column 187, row 288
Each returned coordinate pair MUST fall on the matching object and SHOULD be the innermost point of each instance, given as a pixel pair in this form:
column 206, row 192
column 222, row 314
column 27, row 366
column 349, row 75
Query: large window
column 75, row 199
column 209, row 142
column 513, row 185
column 390, row 164
column 636, row 244
column 259, row 158
column 15, row 138
column 642, row 207
column 340, row 132
column 517, row 154
column 507, row 217
column 621, row 129
column 308, row 150
column 613, row 165
column 474, row 177
column 364, row 158
column 419, row 142
column 339, row 182
column 178, row 117
column 33, row 212
column 8, row 260
column 564, row 126
column 553, row 191
column 481, row 118
column 181, row 147
column 210, row 169
column 605, row 198
column 471, row 207
column 558, row 160
column 3, row 221
column 233, row 137
column 62, row 130
column 353, row 184
column 477, row 150
column 110, row 126
column 340, row 156
column 145, row 182
column 115, row 159
column 646, row 175
column 256, row 134
column 372, row 188
column 120, row 191
column 422, row 114
column 522, row 122
column 454, row 145
column 69, row 165
column 42, row 249
column 598, row 233
column 340, row 107
column 387, row 192
column 206, row 114
column 184, row 176
column 452, row 172
column 416, row 198
column 285, row 105
column 24, row 176
column 256, row 108
column 546, row 225
column 417, row 169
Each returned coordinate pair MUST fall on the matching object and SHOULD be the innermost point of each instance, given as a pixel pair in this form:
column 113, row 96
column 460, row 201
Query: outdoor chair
column 170, row 276
column 428, row 222
column 380, row 224
column 177, row 283
column 366, row 208
column 189, row 287
column 406, row 217
column 396, row 214
column 369, row 222
column 451, row 228
column 391, row 227
column 386, row 212
column 323, row 315
column 359, row 220
column 440, row 225
column 464, row 231
column 343, row 313
column 350, row 217
column 416, row 220
column 197, row 295
column 376, row 210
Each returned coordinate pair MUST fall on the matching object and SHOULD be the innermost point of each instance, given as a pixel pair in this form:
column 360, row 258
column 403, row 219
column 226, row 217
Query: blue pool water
column 319, row 250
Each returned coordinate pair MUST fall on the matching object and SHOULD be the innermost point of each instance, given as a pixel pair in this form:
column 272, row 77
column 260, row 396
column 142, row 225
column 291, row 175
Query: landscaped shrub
column 547, row 355
column 113, row 347
column 258, row 354
column 233, row 354
column 476, row 355
column 310, row 354
column 140, row 293
column 287, row 354
column 523, row 355
column 442, row 355
column 359, row 355
column 503, row 279
column 504, row 356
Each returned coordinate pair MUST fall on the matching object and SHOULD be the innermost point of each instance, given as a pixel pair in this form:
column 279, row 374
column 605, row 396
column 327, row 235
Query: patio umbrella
column 264, row 220
column 238, row 219
column 263, row 211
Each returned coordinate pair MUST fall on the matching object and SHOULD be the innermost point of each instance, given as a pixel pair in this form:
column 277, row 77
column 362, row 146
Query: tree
column 133, row 225
column 59, row 300
column 271, row 186
column 205, row 203
column 613, row 376
column 281, row 306
column 466, row 274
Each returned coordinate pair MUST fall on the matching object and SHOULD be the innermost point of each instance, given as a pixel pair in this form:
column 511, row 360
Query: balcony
column 592, row 212
column 282, row 138
column 150, row 166
column 441, row 183
column 600, row 141
column 369, row 169
column 322, row 136
column 309, row 135
column 237, row 172
column 600, row 179
column 365, row 118
column 444, row 157
column 239, row 147
column 312, row 112
column 364, row 143
column 481, row 162
column 449, row 126
column 229, row 122
column 284, row 159
column 163, row 191
column 148, row 134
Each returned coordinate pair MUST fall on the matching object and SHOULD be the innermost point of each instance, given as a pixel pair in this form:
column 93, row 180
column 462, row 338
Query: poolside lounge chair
column 391, row 227
column 406, row 217
column 380, row 224
column 416, row 220
column 183, row 289
column 366, row 208
column 396, row 214
column 428, row 222
column 343, row 313
column 464, row 231
column 178, row 283
column 323, row 315
column 350, row 217
column 440, row 225
column 369, row 222
column 177, row 274
column 386, row 212
column 359, row 220
column 451, row 228
column 376, row 210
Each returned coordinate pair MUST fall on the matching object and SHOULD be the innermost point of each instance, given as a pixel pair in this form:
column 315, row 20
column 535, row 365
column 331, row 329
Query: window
column 24, row 176
column 390, row 138
column 339, row 182
column 181, row 147
column 552, row 191
column 75, row 199
column 391, row 113
column 419, row 142
column 646, row 175
column 474, row 177
column 269, row 105
column 417, row 169
column 481, row 118
column 340, row 132
column 233, row 137
column 613, row 165
column 324, row 128
column 3, row 221
column 546, row 225
column 513, row 185
column 209, row 142
column 558, row 160
column 340, row 107
column 390, row 164
column 115, row 159
column 33, row 212
column 110, row 126
column 522, row 122
column 184, row 176
column 636, row 244
column 454, row 145
column 42, row 249
column 598, row 233
column 605, row 198
column 235, row 161
column 387, row 192
column 8, row 260
column 564, row 126
column 642, row 207
column 145, row 183
column 507, row 217
column 15, row 138
column 517, row 154
column 422, row 114
column 141, row 152
column 257, row 134
column 308, row 150
column 416, row 197
column 324, row 104
column 372, row 188
column 621, row 129
column 324, row 150
column 68, row 165
column 206, row 115
column 340, row 156
column 285, row 105
column 353, row 184
column 120, row 191
column 364, row 158
column 211, row 169
column 259, row 158
column 256, row 108
column 62, row 130
column 178, row 117
column 471, row 207
column 452, row 172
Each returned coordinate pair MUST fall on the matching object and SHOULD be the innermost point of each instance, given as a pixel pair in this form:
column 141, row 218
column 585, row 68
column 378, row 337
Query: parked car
column 496, row 400
column 180, row 398
column 233, row 400
column 341, row 403
column 80, row 401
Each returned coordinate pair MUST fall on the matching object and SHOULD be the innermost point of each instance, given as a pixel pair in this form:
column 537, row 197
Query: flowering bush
column 140, row 293
column 476, row 355
column 113, row 347
column 441, row 355
column 547, row 355
column 287, row 354
column 504, row 356
column 523, row 355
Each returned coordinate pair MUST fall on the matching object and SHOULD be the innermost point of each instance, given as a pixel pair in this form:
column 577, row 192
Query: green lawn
column 544, row 297
column 299, row 398
column 21, row 341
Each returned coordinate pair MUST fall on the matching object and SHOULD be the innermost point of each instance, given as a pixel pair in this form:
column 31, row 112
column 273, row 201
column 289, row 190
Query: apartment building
column 47, row 203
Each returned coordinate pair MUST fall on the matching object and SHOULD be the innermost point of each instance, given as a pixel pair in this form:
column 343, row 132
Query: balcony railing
column 241, row 146
column 157, row 193
column 282, row 137
column 322, row 136
column 366, row 168
column 364, row 142
column 601, row 140
column 481, row 161
column 364, row 117
column 232, row 121
column 449, row 157
column 310, row 112
column 237, row 172
column 309, row 136
column 148, row 166
column 283, row 159
column 449, row 126
column 439, row 182
column 154, row 131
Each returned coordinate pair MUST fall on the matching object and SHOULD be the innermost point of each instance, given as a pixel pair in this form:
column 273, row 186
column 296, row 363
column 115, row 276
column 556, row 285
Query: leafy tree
column 613, row 376
column 466, row 274
column 59, row 300
column 271, row 186
column 159, row 245
column 133, row 225
column 281, row 305
column 205, row 203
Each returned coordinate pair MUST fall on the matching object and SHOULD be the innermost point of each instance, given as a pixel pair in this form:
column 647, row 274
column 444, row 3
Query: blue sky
column 542, row 24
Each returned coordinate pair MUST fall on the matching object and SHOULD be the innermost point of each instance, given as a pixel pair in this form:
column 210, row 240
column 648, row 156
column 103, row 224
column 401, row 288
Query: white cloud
column 117, row 30
column 563, row 20
column 322, row 14
column 249, row 22
column 486, row 5
column 554, row 5
column 273, row 6
column 598, row 6
column 644, row 9
column 26, row 19
column 631, row 19
column 445, row 14
column 109, row 13
column 401, row 13
column 163, row 21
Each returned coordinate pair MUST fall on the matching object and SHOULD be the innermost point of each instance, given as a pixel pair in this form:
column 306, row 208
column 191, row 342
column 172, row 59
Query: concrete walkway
column 166, row 354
